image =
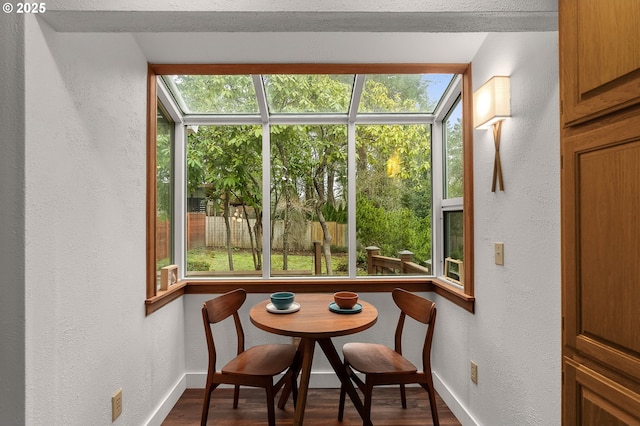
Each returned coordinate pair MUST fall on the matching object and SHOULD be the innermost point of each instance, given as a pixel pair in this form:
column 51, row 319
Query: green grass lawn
column 209, row 259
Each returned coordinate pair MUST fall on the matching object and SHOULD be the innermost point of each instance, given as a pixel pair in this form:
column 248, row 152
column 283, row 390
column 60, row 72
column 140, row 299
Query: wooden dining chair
column 255, row 367
column 382, row 365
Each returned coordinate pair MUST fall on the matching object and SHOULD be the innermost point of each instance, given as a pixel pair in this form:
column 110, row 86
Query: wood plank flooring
column 321, row 409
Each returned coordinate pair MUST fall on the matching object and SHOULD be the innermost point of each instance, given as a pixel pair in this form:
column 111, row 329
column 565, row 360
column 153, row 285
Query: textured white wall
column 309, row 47
column 303, row 5
column 514, row 335
column 301, row 15
column 12, row 257
column 87, row 334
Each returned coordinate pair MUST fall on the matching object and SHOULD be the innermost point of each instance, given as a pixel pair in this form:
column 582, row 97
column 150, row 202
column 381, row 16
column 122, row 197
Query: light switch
column 499, row 253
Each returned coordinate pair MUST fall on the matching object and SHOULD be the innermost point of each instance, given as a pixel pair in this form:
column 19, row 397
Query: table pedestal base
column 307, row 348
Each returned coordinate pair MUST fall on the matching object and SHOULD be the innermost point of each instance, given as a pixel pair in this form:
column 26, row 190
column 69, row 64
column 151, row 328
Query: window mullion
column 358, row 85
column 180, row 197
column 351, row 205
column 266, row 200
column 261, row 98
column 437, row 194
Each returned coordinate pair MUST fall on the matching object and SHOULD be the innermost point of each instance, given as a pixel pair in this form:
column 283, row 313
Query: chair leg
column 271, row 412
column 366, row 410
column 343, row 394
column 403, row 396
column 205, row 404
column 284, row 396
column 294, row 388
column 288, row 388
column 432, row 401
column 236, row 395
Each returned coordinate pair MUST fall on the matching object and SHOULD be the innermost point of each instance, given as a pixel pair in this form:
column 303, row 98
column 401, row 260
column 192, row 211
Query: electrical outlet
column 474, row 372
column 499, row 253
column 116, row 405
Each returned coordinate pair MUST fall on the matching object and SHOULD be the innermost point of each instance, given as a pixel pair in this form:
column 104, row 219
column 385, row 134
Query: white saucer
column 295, row 307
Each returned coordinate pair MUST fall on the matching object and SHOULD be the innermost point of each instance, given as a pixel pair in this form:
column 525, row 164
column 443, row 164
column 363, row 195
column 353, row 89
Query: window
column 393, row 191
column 224, row 199
column 452, row 195
column 164, row 192
column 333, row 174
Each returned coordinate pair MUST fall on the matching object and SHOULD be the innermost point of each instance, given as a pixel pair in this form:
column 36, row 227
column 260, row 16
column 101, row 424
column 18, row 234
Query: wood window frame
column 461, row 296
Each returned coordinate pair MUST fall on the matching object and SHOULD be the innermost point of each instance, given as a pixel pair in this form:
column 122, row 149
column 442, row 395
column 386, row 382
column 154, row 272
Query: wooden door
column 600, row 44
column 600, row 149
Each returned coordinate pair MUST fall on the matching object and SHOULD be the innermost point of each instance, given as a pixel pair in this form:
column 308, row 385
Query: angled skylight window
column 403, row 93
column 308, row 94
column 213, row 94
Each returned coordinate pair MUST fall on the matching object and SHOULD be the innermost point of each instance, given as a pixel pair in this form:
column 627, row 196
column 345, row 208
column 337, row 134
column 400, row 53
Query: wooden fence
column 196, row 232
column 210, row 231
column 163, row 230
column 216, row 234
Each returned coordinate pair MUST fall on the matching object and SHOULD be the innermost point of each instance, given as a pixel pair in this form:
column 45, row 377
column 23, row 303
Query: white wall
column 514, row 335
column 416, row 16
column 86, row 331
column 87, row 334
column 12, row 257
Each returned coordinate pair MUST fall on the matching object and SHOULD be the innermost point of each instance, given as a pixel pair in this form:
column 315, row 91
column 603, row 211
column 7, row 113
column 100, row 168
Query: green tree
column 226, row 161
column 453, row 152
column 308, row 159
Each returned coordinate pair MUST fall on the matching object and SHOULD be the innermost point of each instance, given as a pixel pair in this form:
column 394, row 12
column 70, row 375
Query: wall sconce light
column 491, row 105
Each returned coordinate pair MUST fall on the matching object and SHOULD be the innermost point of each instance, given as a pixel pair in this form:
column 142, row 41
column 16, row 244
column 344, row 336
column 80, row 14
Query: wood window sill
column 378, row 284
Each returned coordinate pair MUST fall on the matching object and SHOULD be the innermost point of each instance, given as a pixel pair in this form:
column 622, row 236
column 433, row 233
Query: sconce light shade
column 491, row 102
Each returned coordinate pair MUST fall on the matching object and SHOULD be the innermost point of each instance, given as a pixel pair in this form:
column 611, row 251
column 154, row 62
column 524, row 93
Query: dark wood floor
column 321, row 409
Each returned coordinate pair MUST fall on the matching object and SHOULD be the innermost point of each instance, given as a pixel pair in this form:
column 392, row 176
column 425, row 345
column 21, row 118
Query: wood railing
column 384, row 265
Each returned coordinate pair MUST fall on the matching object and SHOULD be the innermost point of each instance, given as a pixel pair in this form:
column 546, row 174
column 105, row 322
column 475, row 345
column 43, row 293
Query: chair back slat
column 418, row 308
column 225, row 305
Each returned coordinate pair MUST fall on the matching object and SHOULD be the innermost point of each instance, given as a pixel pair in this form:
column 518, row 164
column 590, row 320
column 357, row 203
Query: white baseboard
column 452, row 401
column 168, row 402
column 319, row 379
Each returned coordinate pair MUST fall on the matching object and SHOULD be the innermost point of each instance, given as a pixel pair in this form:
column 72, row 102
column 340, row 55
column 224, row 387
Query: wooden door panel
column 624, row 361
column 605, row 56
column 598, row 399
column 601, row 57
column 609, row 245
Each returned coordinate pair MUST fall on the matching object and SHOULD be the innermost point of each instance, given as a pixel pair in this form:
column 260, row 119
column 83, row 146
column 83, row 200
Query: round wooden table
column 314, row 322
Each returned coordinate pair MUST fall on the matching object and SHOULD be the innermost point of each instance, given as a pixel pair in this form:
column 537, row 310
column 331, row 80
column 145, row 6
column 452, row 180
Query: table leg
column 308, row 346
column 334, row 359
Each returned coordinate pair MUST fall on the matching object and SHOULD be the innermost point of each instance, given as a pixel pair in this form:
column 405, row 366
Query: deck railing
column 384, row 265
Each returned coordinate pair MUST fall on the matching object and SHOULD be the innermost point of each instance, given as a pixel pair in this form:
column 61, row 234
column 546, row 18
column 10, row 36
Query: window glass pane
column 322, row 93
column 213, row 94
column 453, row 244
column 403, row 93
column 309, row 200
column 393, row 193
column 452, row 128
column 224, row 201
column 164, row 192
